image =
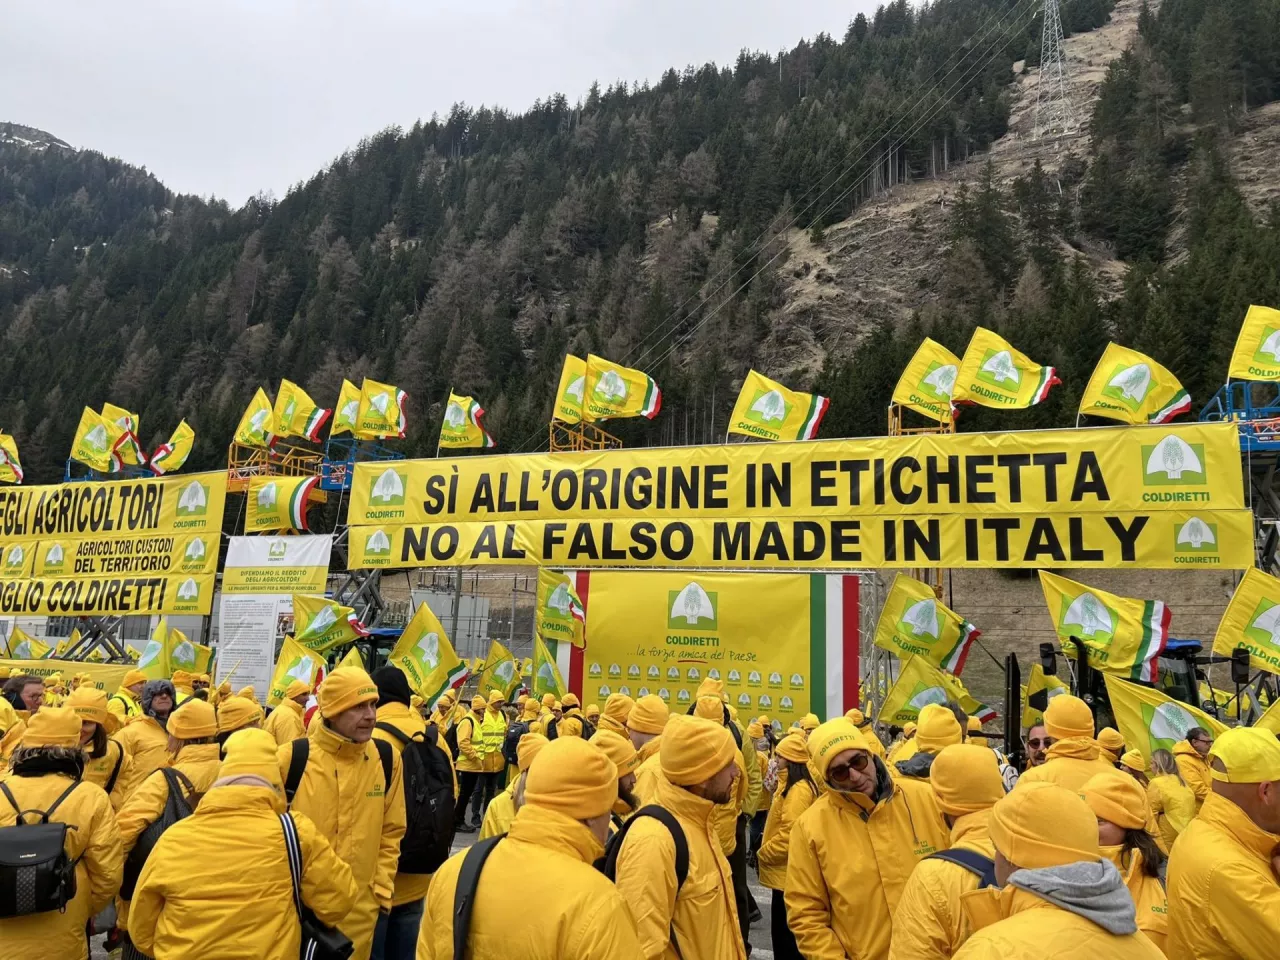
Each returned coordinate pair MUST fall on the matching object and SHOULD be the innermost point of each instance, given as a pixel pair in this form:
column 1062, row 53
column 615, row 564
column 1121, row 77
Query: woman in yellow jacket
column 106, row 763
column 47, row 766
column 1120, row 805
column 221, row 876
column 793, row 799
column 1172, row 801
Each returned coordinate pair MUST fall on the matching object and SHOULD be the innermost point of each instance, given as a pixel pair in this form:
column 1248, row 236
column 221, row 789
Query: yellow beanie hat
column 251, row 752
column 793, row 749
column 1134, row 760
column 617, row 708
column 1043, row 825
column 855, row 716
column 1068, row 718
column 809, row 723
column 832, row 738
column 1112, row 743
column 237, row 712
column 495, row 698
column 529, row 746
column 909, row 729
column 711, row 687
column 755, row 730
column 570, row 700
column 345, row 688
column 296, row 689
column 618, row 749
column 974, row 727
column 649, row 715
column 1116, row 797
column 181, row 678
column 194, row 720
column 966, row 778
column 531, row 710
column 694, row 749
column 52, row 727
column 572, row 777
column 478, row 702
column 133, row 677
column 447, row 698
column 937, row 729
column 90, row 703
column 224, row 688
column 1245, row 755
column 592, row 712
column 248, row 693
column 709, row 708
column 548, row 700
column 53, row 679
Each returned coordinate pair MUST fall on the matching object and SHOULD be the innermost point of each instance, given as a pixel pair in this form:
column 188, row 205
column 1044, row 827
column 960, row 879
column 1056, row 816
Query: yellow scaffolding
column 282, row 460
column 930, row 575
column 580, row 436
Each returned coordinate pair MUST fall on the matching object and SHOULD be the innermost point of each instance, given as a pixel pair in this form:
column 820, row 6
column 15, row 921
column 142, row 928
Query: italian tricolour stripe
column 953, row 662
column 652, row 399
column 298, row 502
column 1155, row 636
column 477, row 417
column 818, row 407
column 314, row 422
column 834, row 613
column 1180, row 403
column 1048, row 378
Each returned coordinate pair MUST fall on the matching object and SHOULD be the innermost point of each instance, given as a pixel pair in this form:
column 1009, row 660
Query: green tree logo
column 693, row 608
column 1174, row 462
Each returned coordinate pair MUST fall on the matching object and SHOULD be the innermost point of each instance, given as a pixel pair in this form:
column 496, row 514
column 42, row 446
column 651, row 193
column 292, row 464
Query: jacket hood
column 153, row 688
column 1183, row 749
column 1076, row 748
column 917, row 766
column 1092, row 890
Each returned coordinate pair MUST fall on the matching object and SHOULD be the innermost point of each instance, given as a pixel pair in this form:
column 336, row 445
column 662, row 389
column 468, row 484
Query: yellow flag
column 352, row 658
column 10, row 465
column 560, row 612
column 154, row 659
column 258, row 424
column 1252, row 621
column 1271, row 719
column 97, row 443
column 1122, row 636
column 613, row 391
column 913, row 622
column 1040, row 688
column 295, row 662
column 499, row 671
column 926, row 384
column 185, row 654
column 546, row 674
column 463, row 425
column 994, row 374
column 170, row 456
column 919, row 684
column 426, row 657
column 1131, row 387
column 134, row 653
column 573, row 381
column 347, row 412
column 320, row 623
column 1150, row 721
column 526, row 667
column 381, row 411
column 768, row 410
column 296, row 414
column 65, row 645
column 130, row 451
column 278, row 503
column 23, row 646
column 1257, row 352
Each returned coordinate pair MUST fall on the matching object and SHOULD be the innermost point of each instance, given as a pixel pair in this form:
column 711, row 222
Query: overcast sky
column 230, row 97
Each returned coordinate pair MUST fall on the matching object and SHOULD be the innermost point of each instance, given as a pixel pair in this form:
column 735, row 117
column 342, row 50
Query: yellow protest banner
column 1257, row 351
column 347, row 410
column 463, row 425
column 320, row 623
column 170, row 456
column 1151, row 721
column 103, row 676
column 767, row 410
column 257, row 426
column 560, row 614
column 914, row 622
column 1131, row 387
column 1040, row 688
column 10, row 464
column 573, row 382
column 278, row 503
column 426, row 657
column 920, row 683
column 1121, row 635
column 612, row 390
column 296, row 414
column 993, row 374
column 1252, row 621
column 926, row 384
column 295, row 662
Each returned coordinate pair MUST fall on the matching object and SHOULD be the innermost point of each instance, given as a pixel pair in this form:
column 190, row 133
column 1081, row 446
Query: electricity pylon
column 1054, row 113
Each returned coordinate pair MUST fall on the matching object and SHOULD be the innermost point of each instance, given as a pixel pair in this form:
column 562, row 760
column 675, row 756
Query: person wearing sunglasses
column 1038, row 743
column 853, row 850
column 1074, row 757
column 1190, row 755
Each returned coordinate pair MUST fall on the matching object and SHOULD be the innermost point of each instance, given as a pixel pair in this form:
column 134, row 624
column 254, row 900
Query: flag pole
column 440, row 435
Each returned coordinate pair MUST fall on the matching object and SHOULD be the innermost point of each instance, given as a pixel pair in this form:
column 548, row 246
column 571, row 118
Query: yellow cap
column 1111, row 742
column 809, row 723
column 793, row 749
column 1117, row 798
column 591, row 711
column 974, row 725
column 755, row 730
column 649, row 715
column 296, row 689
column 181, row 678
column 1068, row 718
column 694, row 749
column 90, row 703
column 966, row 778
column 711, row 687
column 251, row 753
column 194, row 720
column 1043, row 825
column 133, row 677
column 345, row 688
column 618, row 749
column 572, row 777
column 52, row 727
column 937, row 729
column 1134, row 761
column 529, row 746
column 831, row 739
column 235, row 713
column 1245, row 755
column 548, row 700
column 248, row 693
column 53, row 679
column 447, row 699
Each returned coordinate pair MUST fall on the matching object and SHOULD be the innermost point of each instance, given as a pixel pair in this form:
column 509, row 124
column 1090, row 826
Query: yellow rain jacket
column 753, row 773
column 1072, row 763
column 8, row 716
column 766, row 798
column 94, row 845
column 1224, row 901
column 849, row 862
column 783, row 814
column 218, row 883
column 471, row 743
column 493, row 729
column 499, row 814
column 1194, row 770
column 648, row 775
column 147, row 745
column 579, row 915
column 343, row 793
column 99, row 771
column 704, row 914
column 124, row 705
column 1012, row 924
column 1148, row 894
column 285, row 722
column 932, row 924
column 1172, row 806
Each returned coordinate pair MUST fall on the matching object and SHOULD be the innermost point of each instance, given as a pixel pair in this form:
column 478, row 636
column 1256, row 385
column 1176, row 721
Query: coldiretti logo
column 1088, row 617
column 1174, row 462
column 55, row 558
column 999, row 371
column 693, row 608
column 1194, row 536
column 1264, row 625
column 14, row 559
column 1268, row 351
column 939, row 380
column 920, row 619
column 1129, row 385
column 194, row 501
column 277, row 549
column 388, row 489
column 768, row 407
column 377, row 544
column 188, row 597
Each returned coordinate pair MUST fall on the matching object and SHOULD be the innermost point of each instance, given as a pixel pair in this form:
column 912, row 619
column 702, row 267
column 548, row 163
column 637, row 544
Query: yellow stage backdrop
column 1103, row 497
column 105, row 676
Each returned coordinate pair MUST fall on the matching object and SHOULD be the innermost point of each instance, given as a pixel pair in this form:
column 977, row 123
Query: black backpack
column 451, row 735
column 983, row 867
column 588, row 728
column 608, row 864
column 176, row 807
column 428, row 802
column 302, row 752
column 511, row 744
column 36, row 875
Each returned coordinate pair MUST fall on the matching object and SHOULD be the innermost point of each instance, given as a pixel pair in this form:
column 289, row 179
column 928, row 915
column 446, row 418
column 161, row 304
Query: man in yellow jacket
column 930, row 924
column 937, row 729
column 353, row 795
column 145, row 738
column 471, row 767
column 126, row 702
column 285, row 721
column 46, row 772
column 623, row 754
column 494, row 730
column 617, row 708
column 1224, row 898
column 221, row 876
column 557, row 835
column 1190, row 756
column 1057, row 897
column 645, row 723
column 1073, row 757
column 699, row 919
column 852, row 851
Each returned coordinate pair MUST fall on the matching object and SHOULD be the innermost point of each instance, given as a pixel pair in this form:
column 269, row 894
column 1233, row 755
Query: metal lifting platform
column 1254, row 407
column 341, row 455
column 282, row 460
column 77, row 472
column 578, row 437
